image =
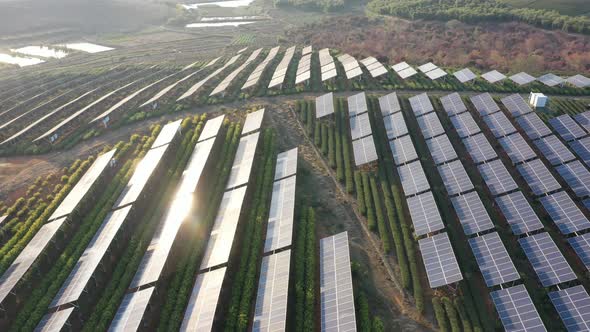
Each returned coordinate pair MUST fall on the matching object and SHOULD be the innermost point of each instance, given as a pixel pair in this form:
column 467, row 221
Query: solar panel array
column 581, row 245
column 389, row 104
column 413, row 178
column 579, row 81
column 577, row 177
column 303, row 69
column 538, row 177
column 497, row 177
column 547, row 261
column 551, row 80
column 253, row 121
column 200, row 312
column 567, row 128
column 453, row 104
column 465, row 75
column 439, row 260
column 479, row 148
column 404, row 70
column 484, row 104
column 336, row 291
column 441, row 149
column 424, row 213
column 516, row 105
column 516, row 309
column 328, row 68
column 278, row 77
column 518, row 212
column 455, row 178
column 270, row 312
column 465, row 125
column 493, row 259
column 374, row 67
column 493, row 76
column 472, row 213
column 572, row 304
column 564, row 212
column 555, row 151
column 351, row 66
column 231, row 76
column 403, row 150
column 131, row 311
column 522, row 78
column 254, row 77
column 517, row 148
column 324, row 105
column 204, row 81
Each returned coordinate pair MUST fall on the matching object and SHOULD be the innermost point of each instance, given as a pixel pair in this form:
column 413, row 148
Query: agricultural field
column 295, row 166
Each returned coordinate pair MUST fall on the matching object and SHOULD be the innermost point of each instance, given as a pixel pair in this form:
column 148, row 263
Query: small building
column 538, row 99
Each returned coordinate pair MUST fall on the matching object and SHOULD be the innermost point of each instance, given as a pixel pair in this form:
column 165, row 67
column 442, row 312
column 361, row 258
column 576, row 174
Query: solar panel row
column 516, row 310
column 278, row 77
column 453, row 104
column 465, row 75
column 374, row 67
column 439, row 260
column 548, row 262
column 303, row 69
column 572, row 304
column 567, row 128
column 270, row 312
column 516, row 105
column 555, row 151
column 351, row 66
column 324, row 105
column 231, row 76
column 328, row 68
column 389, row 104
column 404, row 70
column 484, row 104
column 254, row 77
column 493, row 259
column 204, row 81
column 493, row 76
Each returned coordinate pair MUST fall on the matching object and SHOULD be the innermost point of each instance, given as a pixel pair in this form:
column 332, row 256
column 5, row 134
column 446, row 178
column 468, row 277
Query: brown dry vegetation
column 509, row 47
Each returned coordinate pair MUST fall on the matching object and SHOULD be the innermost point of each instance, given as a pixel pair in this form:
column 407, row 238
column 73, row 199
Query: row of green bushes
column 305, row 255
column 180, row 287
column 126, row 267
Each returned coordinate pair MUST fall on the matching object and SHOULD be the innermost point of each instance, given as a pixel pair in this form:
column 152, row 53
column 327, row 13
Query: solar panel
column 336, row 291
column 224, row 229
column 547, row 261
column 167, row 134
column 516, row 105
column 389, row 104
column 280, row 72
column 412, row 178
column 455, row 177
column 499, row 124
column 439, row 260
column 279, row 230
column 395, row 125
column 28, row 256
column 141, row 175
column 441, row 149
column 453, row 104
column 564, row 213
column 496, row 177
column 465, row 75
column 270, row 312
column 286, row 164
column 551, row 79
column 572, row 304
column 522, row 78
column 424, row 213
column 242, row 166
column 518, row 212
column 351, row 66
column 211, row 128
column 82, row 272
column 421, row 104
column 407, row 73
column 427, row 67
column 54, row 321
column 360, row 126
column 403, row 150
column 465, row 125
column 328, row 70
column 581, row 245
column 493, row 76
column 202, row 82
column 471, row 213
column 533, row 126
column 306, row 50
column 253, row 121
column 400, row 66
column 516, row 310
column 582, row 148
column 493, row 260
column 567, row 128
column 555, row 151
column 430, row 125
column 436, row 74
column 479, row 148
column 484, row 104
column 154, row 259
column 517, row 148
column 364, row 151
column 131, row 311
column 579, row 81
column 254, row 77
column 227, row 81
column 81, row 188
column 324, row 105
column 200, row 312
column 357, row 104
column 374, row 67
column 583, row 119
column 538, row 177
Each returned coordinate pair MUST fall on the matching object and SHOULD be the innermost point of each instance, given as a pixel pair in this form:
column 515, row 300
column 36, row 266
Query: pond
column 41, row 51
column 20, row 61
column 218, row 24
column 87, row 47
column 231, row 3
